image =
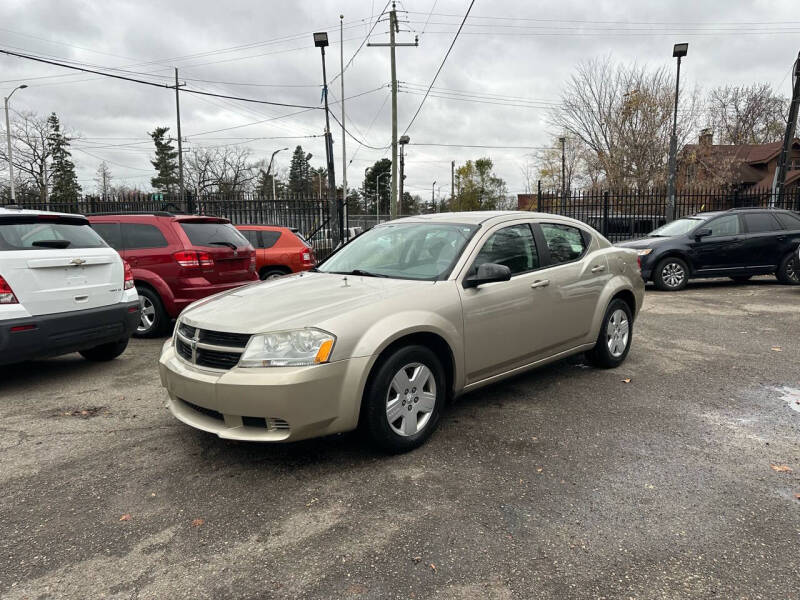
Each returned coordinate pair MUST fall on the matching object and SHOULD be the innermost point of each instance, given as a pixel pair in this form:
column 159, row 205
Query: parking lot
column 665, row 478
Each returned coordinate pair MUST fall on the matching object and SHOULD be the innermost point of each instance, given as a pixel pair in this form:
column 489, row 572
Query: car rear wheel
column 671, row 274
column 152, row 316
column 741, row 278
column 268, row 273
column 105, row 352
column 788, row 271
column 614, row 340
column 403, row 400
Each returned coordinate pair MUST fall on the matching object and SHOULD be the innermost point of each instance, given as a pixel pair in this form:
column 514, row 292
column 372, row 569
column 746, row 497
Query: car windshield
column 424, row 251
column 677, row 227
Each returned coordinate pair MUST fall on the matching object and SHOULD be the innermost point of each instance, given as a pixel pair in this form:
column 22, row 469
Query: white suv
column 62, row 289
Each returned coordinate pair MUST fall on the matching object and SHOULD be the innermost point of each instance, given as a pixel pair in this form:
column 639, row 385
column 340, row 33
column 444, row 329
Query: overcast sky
column 514, row 56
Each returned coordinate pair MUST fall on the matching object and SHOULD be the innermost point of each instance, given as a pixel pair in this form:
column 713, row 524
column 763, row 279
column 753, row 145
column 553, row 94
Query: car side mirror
column 701, row 233
column 488, row 273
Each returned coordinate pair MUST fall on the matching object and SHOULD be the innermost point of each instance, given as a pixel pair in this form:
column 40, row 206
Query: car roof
column 265, row 227
column 481, row 217
column 158, row 215
column 5, row 211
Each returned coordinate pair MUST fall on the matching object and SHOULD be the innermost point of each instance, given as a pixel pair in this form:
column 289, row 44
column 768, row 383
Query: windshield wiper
column 230, row 245
column 360, row 272
column 51, row 243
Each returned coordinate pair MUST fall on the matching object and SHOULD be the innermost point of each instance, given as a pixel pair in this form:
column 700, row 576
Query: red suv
column 279, row 250
column 176, row 260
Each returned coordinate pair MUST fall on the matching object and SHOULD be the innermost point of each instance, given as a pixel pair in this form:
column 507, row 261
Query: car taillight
column 193, row 259
column 6, row 293
column 307, row 256
column 639, row 262
column 128, row 281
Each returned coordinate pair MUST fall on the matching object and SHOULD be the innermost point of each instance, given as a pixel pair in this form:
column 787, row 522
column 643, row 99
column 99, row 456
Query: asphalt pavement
column 674, row 476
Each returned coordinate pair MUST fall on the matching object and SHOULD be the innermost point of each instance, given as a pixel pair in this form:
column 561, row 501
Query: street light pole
column 678, row 51
column 321, row 41
column 433, row 199
column 402, row 141
column 269, row 170
column 8, row 141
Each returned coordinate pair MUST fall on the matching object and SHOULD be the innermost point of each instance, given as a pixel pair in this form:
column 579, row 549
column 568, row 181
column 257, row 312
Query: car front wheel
column 671, row 274
column 614, row 340
column 403, row 400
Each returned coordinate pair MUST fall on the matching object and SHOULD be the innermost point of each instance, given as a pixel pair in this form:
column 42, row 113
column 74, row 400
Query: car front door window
column 724, row 226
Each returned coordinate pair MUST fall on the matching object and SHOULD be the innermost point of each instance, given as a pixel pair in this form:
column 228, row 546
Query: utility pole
column 344, row 151
column 791, row 124
column 394, row 27
column 8, row 140
column 453, row 184
column 180, row 140
column 563, row 141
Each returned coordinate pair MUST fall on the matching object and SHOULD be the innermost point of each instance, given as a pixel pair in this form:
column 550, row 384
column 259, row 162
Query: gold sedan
column 406, row 316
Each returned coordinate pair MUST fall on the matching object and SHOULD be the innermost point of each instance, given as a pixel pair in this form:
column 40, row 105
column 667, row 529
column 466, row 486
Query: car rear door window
column 269, row 238
column 724, row 226
column 760, row 222
column 251, row 235
column 110, row 232
column 513, row 247
column 565, row 243
column 789, row 221
column 142, row 235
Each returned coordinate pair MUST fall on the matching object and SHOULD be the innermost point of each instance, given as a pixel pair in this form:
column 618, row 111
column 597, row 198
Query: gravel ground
column 568, row 482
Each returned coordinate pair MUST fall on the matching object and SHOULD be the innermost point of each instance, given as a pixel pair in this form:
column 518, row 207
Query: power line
column 361, row 45
column 441, row 65
column 481, row 146
column 355, row 139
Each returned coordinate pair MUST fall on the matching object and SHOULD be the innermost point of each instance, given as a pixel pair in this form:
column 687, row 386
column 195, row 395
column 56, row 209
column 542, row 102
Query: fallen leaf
column 433, row 566
column 777, row 349
column 313, row 500
column 626, row 380
column 539, row 470
column 781, row 468
column 125, row 517
column 416, row 559
column 198, row 522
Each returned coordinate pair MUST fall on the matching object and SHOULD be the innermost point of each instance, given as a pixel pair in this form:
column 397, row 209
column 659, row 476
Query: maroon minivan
column 177, row 259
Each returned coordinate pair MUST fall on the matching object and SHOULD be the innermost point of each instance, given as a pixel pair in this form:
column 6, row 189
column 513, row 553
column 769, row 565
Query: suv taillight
column 307, row 256
column 193, row 259
column 128, row 282
column 6, row 293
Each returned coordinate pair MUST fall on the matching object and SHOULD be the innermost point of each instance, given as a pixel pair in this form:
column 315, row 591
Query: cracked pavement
column 563, row 482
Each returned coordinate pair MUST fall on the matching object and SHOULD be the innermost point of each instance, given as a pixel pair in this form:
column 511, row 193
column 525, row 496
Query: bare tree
column 225, row 169
column 32, row 152
column 103, row 180
column 753, row 114
column 623, row 116
column 547, row 164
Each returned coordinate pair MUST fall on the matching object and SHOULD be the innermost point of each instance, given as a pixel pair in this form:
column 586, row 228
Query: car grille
column 210, row 349
column 269, row 423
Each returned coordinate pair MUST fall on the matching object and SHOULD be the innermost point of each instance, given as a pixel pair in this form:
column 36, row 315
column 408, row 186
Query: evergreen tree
column 165, row 162
column 62, row 169
column 300, row 173
column 380, row 172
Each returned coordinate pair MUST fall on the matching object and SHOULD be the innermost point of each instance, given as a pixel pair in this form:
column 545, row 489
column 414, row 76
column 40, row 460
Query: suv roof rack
column 754, row 208
column 155, row 213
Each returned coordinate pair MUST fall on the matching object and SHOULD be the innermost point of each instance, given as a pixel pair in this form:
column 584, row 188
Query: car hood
column 301, row 300
column 647, row 242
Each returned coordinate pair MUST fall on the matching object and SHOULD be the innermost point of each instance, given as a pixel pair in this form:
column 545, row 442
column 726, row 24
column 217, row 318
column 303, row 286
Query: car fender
column 159, row 285
column 676, row 253
column 384, row 332
column 615, row 285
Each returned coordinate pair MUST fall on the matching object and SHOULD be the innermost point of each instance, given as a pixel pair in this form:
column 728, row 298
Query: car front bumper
column 277, row 404
column 27, row 338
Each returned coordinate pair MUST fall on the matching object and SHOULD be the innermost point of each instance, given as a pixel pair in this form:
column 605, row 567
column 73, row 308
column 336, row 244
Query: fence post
column 605, row 214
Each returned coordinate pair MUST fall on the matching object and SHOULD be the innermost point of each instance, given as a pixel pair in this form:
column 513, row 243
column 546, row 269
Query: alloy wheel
column 411, row 399
column 673, row 275
column 793, row 270
column 617, row 333
column 147, row 315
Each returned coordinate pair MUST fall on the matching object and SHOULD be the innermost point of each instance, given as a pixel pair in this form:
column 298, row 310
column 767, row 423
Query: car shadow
column 701, row 284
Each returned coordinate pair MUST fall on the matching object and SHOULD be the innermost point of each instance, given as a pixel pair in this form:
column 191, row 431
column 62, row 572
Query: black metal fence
column 625, row 214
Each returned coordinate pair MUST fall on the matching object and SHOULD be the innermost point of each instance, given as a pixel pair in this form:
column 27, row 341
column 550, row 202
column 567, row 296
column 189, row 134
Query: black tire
column 601, row 355
column 788, row 272
column 271, row 273
column 375, row 423
column 153, row 322
column 105, row 352
column 741, row 278
column 671, row 274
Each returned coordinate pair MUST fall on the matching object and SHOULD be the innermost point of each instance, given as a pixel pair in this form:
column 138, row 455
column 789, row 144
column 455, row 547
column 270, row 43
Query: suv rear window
column 760, row 222
column 789, row 221
column 213, row 234
column 269, row 238
column 142, row 235
column 28, row 233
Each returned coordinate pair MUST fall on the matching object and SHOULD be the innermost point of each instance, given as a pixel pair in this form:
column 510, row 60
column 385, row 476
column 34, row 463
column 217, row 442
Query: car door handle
column 598, row 268
column 539, row 283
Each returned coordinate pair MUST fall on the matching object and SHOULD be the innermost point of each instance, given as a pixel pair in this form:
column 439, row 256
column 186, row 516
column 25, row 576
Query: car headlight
column 295, row 348
column 644, row 251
